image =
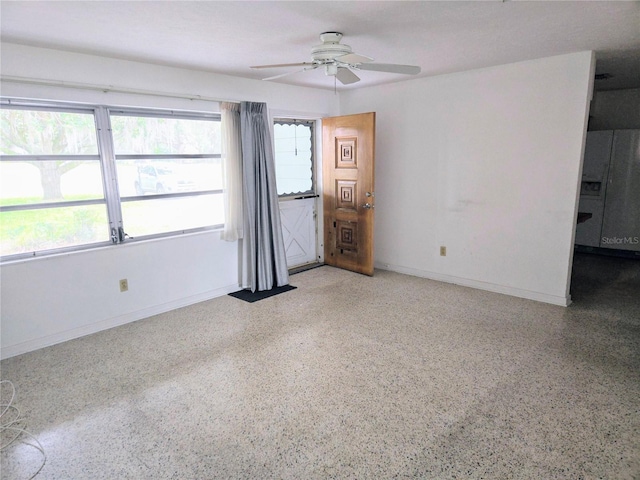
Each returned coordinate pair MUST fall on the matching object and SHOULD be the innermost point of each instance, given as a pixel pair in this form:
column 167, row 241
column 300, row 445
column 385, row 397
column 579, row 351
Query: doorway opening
column 606, row 255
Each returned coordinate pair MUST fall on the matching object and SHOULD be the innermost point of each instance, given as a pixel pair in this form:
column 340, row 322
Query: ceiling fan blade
column 278, row 65
column 291, row 73
column 390, row 68
column 352, row 58
column 346, row 76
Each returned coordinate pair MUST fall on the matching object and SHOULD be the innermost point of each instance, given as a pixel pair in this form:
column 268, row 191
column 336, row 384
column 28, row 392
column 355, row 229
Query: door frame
column 319, row 192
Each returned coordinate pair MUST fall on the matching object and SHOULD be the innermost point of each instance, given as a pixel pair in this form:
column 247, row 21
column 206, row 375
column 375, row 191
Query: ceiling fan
column 339, row 60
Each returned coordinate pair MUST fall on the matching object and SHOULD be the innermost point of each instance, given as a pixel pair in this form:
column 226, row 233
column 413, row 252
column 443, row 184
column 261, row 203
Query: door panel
column 299, row 231
column 348, row 161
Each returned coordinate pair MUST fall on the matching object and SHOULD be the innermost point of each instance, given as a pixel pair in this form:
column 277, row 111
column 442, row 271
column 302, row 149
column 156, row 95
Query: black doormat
column 249, row 296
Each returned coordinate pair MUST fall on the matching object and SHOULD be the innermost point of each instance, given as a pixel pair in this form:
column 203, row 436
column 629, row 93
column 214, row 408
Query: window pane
column 33, row 132
column 171, row 214
column 49, row 181
column 142, row 177
column 293, row 151
column 154, row 136
column 32, row 230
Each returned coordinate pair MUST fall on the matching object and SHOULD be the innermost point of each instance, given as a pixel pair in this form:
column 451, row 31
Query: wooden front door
column 348, row 153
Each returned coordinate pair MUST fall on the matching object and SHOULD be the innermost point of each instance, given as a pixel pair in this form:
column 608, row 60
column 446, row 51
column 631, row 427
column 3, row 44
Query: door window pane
column 293, row 144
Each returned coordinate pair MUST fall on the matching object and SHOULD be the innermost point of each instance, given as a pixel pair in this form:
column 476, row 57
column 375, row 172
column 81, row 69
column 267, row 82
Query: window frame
column 12, row 104
column 161, row 113
column 108, row 168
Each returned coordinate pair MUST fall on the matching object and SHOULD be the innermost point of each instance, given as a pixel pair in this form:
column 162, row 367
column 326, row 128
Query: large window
column 72, row 177
column 293, row 145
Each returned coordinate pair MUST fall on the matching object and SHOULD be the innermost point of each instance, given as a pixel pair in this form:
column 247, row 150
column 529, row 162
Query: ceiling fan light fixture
column 331, row 69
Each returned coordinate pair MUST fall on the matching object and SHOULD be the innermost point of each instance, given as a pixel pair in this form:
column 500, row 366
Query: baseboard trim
column 490, row 287
column 49, row 340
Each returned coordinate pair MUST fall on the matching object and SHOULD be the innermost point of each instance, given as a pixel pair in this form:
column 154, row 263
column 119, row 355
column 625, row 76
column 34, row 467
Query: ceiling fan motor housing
column 330, row 48
column 330, row 37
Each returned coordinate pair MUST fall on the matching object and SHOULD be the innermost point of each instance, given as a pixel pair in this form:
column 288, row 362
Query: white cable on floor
column 14, row 425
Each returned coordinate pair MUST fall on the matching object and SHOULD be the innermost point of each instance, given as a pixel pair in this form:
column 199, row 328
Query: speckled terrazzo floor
column 348, row 377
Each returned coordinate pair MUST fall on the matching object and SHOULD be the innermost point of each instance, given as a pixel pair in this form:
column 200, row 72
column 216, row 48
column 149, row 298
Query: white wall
column 615, row 110
column 53, row 299
column 41, row 63
column 486, row 163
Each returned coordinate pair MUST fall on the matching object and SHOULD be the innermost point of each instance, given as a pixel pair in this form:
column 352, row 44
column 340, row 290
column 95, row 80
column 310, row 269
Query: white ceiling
column 228, row 37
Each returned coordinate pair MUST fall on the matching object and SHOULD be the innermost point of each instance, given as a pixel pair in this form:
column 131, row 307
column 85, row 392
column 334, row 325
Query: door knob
column 367, row 206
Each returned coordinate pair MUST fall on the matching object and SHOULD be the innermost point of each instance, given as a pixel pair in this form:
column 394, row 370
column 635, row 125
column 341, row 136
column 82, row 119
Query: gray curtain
column 264, row 264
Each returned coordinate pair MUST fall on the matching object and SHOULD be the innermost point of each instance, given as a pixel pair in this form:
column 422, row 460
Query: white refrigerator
column 610, row 191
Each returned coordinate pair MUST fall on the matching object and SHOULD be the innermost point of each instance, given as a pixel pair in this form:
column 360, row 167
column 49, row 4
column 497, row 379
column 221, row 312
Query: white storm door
column 294, row 142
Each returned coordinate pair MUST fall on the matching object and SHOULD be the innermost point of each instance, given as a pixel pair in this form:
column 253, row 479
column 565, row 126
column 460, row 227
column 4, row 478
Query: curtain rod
column 107, row 88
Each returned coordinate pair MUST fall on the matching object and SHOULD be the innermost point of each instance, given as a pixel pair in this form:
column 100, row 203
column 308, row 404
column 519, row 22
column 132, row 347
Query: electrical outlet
column 443, row 251
column 124, row 285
